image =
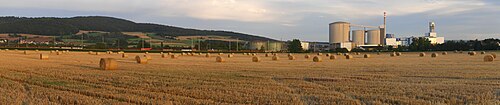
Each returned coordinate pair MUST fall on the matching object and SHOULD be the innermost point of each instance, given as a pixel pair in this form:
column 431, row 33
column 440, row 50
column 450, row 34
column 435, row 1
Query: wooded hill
column 52, row 26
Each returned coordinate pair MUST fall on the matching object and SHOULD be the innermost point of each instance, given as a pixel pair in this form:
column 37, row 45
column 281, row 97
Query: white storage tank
column 339, row 32
column 373, row 37
column 358, row 37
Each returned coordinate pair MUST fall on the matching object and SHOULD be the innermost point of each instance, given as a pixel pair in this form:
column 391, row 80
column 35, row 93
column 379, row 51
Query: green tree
column 295, row 46
column 420, row 44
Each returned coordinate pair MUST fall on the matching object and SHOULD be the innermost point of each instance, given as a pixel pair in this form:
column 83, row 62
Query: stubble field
column 75, row 78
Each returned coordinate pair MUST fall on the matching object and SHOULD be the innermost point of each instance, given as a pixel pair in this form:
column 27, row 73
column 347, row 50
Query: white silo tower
column 339, row 32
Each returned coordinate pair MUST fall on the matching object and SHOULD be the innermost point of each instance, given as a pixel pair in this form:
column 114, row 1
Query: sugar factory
column 342, row 36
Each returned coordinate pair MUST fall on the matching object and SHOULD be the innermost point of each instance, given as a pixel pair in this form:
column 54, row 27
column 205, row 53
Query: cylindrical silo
column 339, row 32
column 358, row 37
column 373, row 37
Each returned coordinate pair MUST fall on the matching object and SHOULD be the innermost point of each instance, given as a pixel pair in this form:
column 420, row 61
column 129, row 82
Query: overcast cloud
column 284, row 19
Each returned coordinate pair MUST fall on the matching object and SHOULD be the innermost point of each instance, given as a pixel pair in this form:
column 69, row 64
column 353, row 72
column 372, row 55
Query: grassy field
column 75, row 78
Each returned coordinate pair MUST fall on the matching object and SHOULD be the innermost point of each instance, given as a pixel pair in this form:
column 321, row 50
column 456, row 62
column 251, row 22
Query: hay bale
column 275, row 54
column 97, row 53
column 349, row 57
column 339, row 53
column 276, row 58
column 108, row 64
column 494, row 55
column 207, row 55
column 482, row 52
column 109, row 52
column 444, row 53
column 333, row 57
column 141, row 60
column 219, row 59
column 230, row 55
column 317, row 59
column 307, row 56
column 378, row 53
column 173, row 56
column 164, row 55
column 434, row 55
column 44, row 57
column 320, row 54
column 267, row 54
column 291, row 57
column 148, row 57
column 255, row 59
column 254, row 54
column 51, row 51
column 489, row 58
column 367, row 56
column 124, row 55
column 456, row 51
column 58, row 53
column 328, row 54
column 398, row 54
column 221, row 53
column 161, row 53
column 169, row 53
column 146, row 52
column 357, row 53
column 290, row 54
column 25, row 52
column 472, row 53
column 36, row 50
column 393, row 54
column 90, row 52
column 422, row 54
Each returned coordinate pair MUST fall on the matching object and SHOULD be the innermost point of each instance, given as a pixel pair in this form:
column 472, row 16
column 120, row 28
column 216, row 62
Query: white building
column 305, row 45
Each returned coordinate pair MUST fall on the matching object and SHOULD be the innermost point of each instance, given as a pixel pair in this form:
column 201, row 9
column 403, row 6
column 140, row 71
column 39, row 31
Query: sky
column 284, row 19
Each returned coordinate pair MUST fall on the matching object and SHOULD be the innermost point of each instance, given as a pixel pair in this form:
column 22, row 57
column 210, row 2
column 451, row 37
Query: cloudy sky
column 284, row 19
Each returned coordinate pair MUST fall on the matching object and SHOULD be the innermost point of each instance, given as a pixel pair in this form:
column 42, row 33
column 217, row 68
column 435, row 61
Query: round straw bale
column 58, row 53
column 398, row 54
column 291, row 57
column 108, row 64
column 456, row 51
column 290, row 54
column 25, row 52
column 367, row 56
column 97, row 53
column 357, row 53
column 148, row 57
column 393, row 54
column 254, row 54
column 255, row 59
column 141, row 60
column 482, row 52
column 489, row 58
column 44, row 56
column 444, row 53
column 328, row 54
column 339, row 53
column 378, row 53
column 434, row 55
column 494, row 55
column 333, row 57
column 267, row 54
column 349, row 57
column 164, row 55
column 124, row 55
column 317, row 59
column 173, row 56
column 422, row 54
column 221, row 53
column 110, row 52
column 307, row 56
column 146, row 52
column 169, row 53
column 276, row 58
column 90, row 52
column 161, row 53
column 219, row 59
column 472, row 53
column 320, row 54
column 275, row 54
column 230, row 55
column 207, row 55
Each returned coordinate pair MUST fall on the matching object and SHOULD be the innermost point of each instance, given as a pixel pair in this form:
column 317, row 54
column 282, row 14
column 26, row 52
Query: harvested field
column 76, row 78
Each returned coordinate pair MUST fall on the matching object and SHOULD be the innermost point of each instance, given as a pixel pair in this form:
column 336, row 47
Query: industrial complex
column 342, row 36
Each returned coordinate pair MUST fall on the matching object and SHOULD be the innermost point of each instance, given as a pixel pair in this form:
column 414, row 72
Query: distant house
column 37, row 40
column 3, row 40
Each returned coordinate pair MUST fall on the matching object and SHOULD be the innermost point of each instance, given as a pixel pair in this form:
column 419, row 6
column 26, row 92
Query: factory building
column 268, row 46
